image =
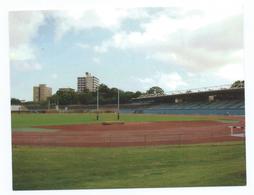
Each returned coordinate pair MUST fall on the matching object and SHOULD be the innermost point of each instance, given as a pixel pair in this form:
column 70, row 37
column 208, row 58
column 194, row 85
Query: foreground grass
column 162, row 166
column 29, row 120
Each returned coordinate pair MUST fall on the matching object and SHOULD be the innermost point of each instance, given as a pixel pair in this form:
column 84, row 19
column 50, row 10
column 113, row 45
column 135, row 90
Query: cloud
column 220, row 36
column 166, row 81
column 197, row 40
column 231, row 72
column 207, row 48
column 26, row 65
column 22, row 52
column 190, row 74
column 156, row 32
column 78, row 20
column 23, row 28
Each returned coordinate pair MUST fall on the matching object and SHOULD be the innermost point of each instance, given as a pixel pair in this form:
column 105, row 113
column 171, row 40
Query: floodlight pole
column 48, row 104
column 57, row 102
column 118, row 105
column 97, row 111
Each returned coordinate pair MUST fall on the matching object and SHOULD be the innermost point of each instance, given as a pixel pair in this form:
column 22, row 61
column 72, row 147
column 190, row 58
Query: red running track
column 129, row 134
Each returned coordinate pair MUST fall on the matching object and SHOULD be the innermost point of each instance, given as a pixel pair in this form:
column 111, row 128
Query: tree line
column 106, row 96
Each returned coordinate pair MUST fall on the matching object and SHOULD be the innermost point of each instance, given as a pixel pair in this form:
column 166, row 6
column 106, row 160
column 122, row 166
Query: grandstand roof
column 217, row 90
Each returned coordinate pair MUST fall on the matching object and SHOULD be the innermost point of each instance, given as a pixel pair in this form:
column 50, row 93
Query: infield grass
column 221, row 164
column 30, row 120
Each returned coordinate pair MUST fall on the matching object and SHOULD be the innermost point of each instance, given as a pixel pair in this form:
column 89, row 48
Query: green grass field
column 161, row 166
column 28, row 120
column 220, row 164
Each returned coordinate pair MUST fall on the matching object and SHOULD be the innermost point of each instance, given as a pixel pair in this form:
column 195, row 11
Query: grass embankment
column 29, row 120
column 161, row 166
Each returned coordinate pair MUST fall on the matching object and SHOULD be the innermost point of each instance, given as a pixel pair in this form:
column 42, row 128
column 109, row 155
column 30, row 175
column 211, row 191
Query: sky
column 128, row 48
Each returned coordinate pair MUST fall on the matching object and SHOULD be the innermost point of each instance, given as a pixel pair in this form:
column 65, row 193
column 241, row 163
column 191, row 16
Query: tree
column 87, row 98
column 155, row 91
column 66, row 97
column 106, row 96
column 104, row 89
column 237, row 84
column 53, row 99
column 15, row 101
column 113, row 92
column 126, row 96
column 137, row 94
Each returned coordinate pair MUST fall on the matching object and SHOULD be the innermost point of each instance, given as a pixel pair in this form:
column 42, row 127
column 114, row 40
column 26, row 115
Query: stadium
column 72, row 131
column 198, row 122
column 219, row 100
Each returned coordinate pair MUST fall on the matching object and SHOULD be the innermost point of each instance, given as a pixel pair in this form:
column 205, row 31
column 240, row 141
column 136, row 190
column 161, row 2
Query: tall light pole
column 48, row 104
column 57, row 102
column 118, row 105
column 97, row 110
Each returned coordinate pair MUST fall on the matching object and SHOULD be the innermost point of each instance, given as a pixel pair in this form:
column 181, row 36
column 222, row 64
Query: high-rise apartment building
column 88, row 82
column 41, row 93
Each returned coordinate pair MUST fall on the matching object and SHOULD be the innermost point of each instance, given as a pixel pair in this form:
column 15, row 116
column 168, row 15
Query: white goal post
column 237, row 131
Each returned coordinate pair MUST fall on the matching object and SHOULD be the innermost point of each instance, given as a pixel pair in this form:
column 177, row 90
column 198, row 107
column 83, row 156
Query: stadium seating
column 220, row 107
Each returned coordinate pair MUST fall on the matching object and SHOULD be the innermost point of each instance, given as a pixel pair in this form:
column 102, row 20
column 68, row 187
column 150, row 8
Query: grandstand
column 220, row 100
